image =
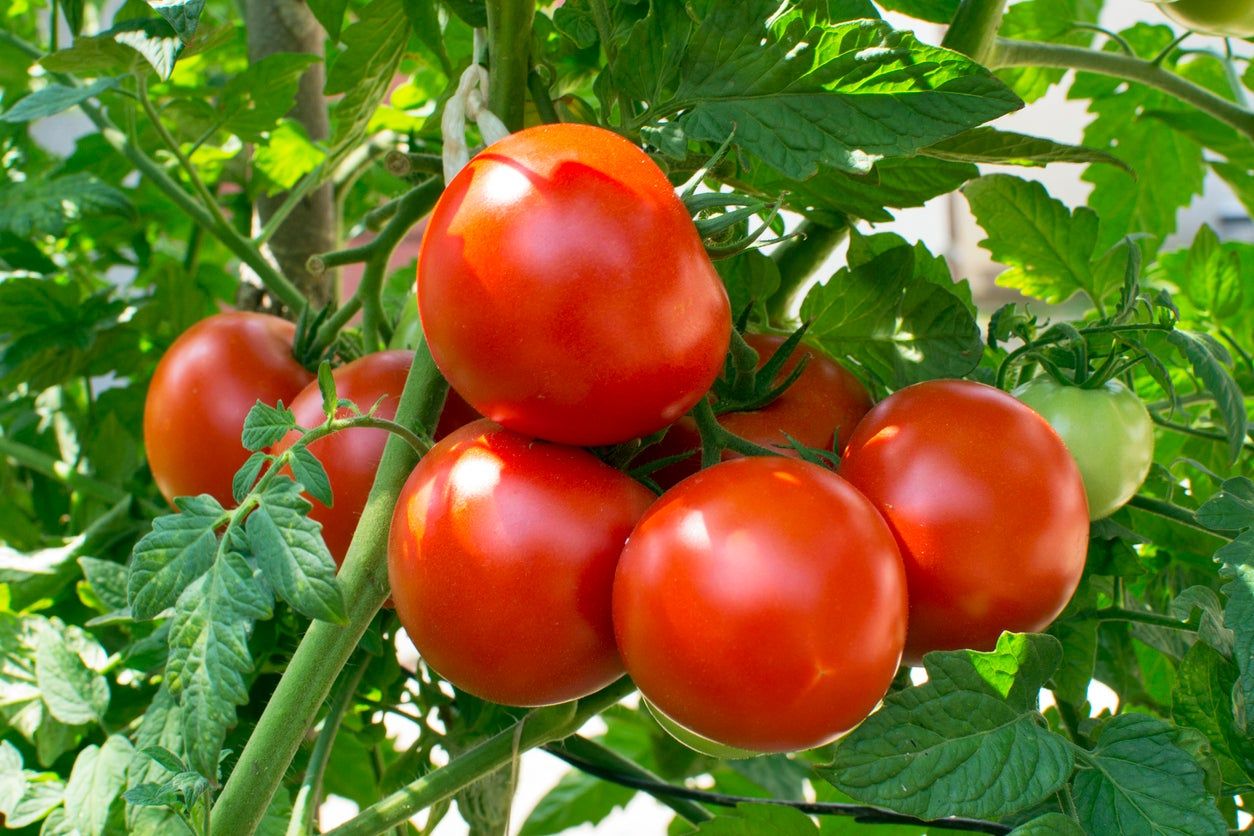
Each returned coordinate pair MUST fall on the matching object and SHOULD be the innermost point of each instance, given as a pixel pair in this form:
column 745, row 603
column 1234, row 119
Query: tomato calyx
column 743, row 387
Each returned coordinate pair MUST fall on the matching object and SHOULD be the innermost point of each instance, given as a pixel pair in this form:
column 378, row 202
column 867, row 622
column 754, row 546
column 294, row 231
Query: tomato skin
column 201, row 392
column 987, row 506
column 761, row 604
column 564, row 291
column 501, row 559
column 1222, row 18
column 824, row 400
column 1108, row 430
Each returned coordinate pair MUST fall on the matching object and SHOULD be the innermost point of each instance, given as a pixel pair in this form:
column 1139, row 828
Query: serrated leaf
column 1237, row 570
column 53, row 99
column 989, row 145
column 244, row 478
column 330, row 13
column 1048, row 248
column 936, row 11
column 1231, row 508
column 74, row 693
column 1212, row 278
column 310, row 473
column 178, row 550
column 182, row 15
column 1050, row 824
column 286, row 155
column 265, row 425
column 1210, row 370
column 48, row 205
column 898, row 324
column 969, row 742
column 577, row 799
column 750, row 279
column 1045, row 20
column 160, row 728
column 91, row 57
column 209, row 654
column 291, row 554
column 254, row 101
column 759, row 820
column 151, row 795
column 97, row 778
column 1137, row 780
column 164, row 758
column 1202, row 699
column 41, row 798
column 1205, row 602
column 363, row 72
column 106, row 579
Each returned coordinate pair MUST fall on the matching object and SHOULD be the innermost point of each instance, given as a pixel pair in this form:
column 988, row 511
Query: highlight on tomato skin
column 987, row 505
column 565, row 293
column 501, row 559
column 761, row 604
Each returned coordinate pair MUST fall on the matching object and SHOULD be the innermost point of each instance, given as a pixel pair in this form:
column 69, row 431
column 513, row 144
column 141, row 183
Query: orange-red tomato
column 762, row 604
column 201, row 392
column 501, row 559
column 987, row 506
column 565, row 292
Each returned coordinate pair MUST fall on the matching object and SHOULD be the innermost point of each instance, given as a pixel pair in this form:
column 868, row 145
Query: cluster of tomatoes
column 760, row 604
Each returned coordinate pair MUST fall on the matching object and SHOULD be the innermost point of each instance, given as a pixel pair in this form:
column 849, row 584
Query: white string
column 469, row 100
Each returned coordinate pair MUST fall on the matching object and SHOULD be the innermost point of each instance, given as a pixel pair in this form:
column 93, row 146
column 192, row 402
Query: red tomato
column 762, row 604
column 351, row 457
column 564, row 290
column 987, row 506
column 501, row 560
column 202, row 390
column 824, row 400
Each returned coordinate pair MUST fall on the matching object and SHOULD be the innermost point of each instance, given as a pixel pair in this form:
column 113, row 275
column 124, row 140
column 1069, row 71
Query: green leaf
column 106, row 579
column 969, row 742
column 1137, row 780
column 55, row 98
column 759, row 820
column 74, row 693
column 41, row 798
column 246, row 476
column 1231, row 509
column 182, row 15
column 799, row 93
column 363, row 72
column 330, row 13
column 424, row 19
column 472, row 12
column 989, row 145
column 154, row 39
column 254, row 101
column 178, row 550
column 1208, row 360
column 291, row 553
column 1205, row 602
column 161, row 728
column 1050, row 824
column 1045, row 20
column 890, row 318
column 92, row 57
column 750, row 279
column 1212, row 278
column 265, row 425
column 47, row 205
column 164, row 758
column 286, row 156
column 1202, row 700
column 1070, row 682
column 95, row 782
column 152, row 795
column 935, row 11
column 209, row 654
column 310, row 473
column 1049, row 249
column 577, row 799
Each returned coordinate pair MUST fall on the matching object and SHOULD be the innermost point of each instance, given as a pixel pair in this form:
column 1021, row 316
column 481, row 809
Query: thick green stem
column 326, row 647
column 1141, row 617
column 1028, row 53
column 974, row 28
column 538, row 727
column 1175, row 513
column 797, row 260
column 509, row 43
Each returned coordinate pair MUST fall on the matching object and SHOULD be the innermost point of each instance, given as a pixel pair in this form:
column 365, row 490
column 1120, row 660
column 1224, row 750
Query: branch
column 536, row 728
column 974, row 28
column 322, row 653
column 797, row 260
column 1008, row 53
column 509, row 43
column 1175, row 513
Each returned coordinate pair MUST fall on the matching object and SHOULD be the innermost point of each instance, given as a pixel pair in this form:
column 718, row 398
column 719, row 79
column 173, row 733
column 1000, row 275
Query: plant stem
column 797, row 260
column 1175, row 513
column 54, row 468
column 539, row 90
column 1140, row 617
column 303, row 187
column 509, row 44
column 1185, row 429
column 325, row 648
column 544, row 725
column 306, row 806
column 1010, row 53
column 973, row 31
column 600, row 761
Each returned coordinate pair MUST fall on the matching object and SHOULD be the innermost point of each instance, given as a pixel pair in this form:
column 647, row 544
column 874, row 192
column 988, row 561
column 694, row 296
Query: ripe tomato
column 564, row 290
column 1108, row 431
column 1224, row 18
column 761, row 604
column 987, row 506
column 202, row 390
column 824, row 400
column 351, row 457
column 501, row 559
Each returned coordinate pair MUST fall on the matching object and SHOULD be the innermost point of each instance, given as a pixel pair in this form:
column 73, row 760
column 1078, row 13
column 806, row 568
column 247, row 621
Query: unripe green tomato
column 1225, row 18
column 696, row 742
column 1108, row 431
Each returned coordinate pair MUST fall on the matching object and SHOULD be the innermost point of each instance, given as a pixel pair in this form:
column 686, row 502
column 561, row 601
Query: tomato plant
column 770, row 566
column 565, row 292
column 987, row 506
column 1108, row 431
column 493, row 529
column 202, row 389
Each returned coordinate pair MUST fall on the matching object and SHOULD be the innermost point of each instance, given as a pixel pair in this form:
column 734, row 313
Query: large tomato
column 761, row 604
column 824, row 401
column 987, row 506
column 1224, row 18
column 564, row 290
column 351, row 457
column 1108, row 431
column 201, row 392
column 501, row 560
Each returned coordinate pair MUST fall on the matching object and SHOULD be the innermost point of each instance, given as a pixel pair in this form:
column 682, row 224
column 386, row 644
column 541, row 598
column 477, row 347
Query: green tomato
column 1108, row 431
column 1225, row 18
column 697, row 742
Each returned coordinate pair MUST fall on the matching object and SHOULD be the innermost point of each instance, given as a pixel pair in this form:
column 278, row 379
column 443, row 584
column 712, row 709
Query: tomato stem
column 973, row 31
column 509, row 47
column 797, row 260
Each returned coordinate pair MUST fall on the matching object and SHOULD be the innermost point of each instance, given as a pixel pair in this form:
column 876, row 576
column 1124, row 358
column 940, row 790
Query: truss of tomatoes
column 763, row 604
